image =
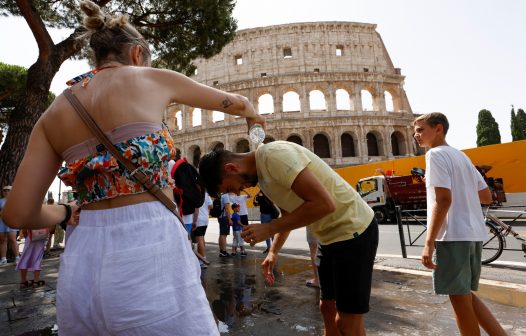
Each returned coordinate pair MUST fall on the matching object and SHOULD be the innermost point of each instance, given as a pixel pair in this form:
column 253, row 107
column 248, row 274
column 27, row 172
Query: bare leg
column 350, row 324
column 3, row 244
column 11, row 236
column 487, row 321
column 36, row 276
column 313, row 247
column 329, row 312
column 23, row 275
column 201, row 245
column 222, row 242
column 467, row 321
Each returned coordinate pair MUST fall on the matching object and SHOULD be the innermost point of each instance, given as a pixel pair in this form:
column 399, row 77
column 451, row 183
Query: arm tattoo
column 226, row 103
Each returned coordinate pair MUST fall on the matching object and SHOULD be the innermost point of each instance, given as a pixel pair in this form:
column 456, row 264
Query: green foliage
column 178, row 30
column 12, row 87
column 518, row 125
column 487, row 129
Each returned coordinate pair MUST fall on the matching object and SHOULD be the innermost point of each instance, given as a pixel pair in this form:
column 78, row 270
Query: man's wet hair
column 211, row 169
column 433, row 119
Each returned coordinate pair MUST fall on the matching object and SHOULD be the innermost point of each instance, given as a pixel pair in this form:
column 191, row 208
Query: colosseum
column 329, row 86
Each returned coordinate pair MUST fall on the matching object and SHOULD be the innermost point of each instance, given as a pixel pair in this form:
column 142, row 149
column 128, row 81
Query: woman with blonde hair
column 128, row 268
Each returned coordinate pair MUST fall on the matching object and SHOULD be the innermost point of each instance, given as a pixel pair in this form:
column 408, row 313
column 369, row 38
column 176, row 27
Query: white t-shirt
column 225, row 199
column 188, row 219
column 447, row 167
column 242, row 201
column 202, row 219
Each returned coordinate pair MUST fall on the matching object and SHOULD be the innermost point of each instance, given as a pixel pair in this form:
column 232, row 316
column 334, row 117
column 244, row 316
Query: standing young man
column 309, row 192
column 455, row 190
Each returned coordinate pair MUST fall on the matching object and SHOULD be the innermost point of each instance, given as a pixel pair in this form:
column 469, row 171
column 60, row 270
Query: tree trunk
column 30, row 108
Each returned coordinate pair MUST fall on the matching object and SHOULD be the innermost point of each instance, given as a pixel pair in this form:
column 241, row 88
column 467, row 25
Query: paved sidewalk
column 402, row 301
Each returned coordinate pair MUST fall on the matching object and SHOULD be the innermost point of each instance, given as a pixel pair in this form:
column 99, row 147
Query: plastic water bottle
column 256, row 134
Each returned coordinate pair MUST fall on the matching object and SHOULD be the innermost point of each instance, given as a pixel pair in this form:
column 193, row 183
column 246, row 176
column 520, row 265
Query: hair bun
column 95, row 18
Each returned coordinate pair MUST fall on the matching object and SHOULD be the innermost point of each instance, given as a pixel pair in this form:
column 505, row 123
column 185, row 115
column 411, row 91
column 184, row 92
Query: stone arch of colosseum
column 340, row 60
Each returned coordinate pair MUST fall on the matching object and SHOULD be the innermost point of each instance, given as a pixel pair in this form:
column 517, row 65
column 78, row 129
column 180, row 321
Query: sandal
column 310, row 283
column 26, row 284
column 39, row 283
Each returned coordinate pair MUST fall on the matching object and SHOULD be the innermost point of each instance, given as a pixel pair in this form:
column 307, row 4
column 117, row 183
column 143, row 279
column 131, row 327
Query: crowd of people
column 113, row 281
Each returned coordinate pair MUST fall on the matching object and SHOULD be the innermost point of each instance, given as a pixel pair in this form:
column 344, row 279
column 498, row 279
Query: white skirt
column 131, row 271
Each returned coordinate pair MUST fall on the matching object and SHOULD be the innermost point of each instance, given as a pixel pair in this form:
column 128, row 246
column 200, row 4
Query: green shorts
column 458, row 267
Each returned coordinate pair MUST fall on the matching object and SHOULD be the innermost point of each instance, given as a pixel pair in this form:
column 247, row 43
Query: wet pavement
column 402, row 301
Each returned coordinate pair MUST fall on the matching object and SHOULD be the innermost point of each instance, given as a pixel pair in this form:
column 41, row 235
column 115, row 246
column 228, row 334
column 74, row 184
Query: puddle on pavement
column 293, row 266
column 238, row 295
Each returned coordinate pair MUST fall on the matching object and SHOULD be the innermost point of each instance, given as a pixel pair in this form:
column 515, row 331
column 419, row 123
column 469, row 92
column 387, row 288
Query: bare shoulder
column 152, row 82
column 147, row 73
column 61, row 126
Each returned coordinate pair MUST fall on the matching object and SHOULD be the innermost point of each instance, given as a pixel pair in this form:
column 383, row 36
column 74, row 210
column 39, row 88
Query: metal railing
column 416, row 225
column 410, row 217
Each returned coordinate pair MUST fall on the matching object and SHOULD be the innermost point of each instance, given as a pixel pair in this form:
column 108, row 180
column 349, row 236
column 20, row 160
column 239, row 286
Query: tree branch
column 5, row 94
column 37, row 26
column 69, row 46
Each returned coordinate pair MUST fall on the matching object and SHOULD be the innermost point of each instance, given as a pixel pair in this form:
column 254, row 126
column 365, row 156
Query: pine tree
column 487, row 129
column 178, row 31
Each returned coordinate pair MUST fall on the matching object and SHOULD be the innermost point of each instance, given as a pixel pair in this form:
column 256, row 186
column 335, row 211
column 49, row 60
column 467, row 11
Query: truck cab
column 384, row 192
column 373, row 191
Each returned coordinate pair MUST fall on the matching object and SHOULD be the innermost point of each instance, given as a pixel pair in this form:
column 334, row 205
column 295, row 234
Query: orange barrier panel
column 508, row 161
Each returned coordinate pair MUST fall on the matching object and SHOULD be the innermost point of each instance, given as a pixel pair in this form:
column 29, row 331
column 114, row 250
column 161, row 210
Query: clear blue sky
column 458, row 56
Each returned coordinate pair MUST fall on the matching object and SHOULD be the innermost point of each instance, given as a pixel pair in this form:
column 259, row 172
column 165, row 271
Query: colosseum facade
column 329, row 86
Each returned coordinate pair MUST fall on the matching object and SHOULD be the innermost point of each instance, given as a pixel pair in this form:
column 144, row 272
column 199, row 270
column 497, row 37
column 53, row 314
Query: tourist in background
column 268, row 212
column 7, row 234
column 200, row 225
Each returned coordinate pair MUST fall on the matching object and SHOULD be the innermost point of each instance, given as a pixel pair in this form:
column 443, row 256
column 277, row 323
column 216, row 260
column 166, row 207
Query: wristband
column 68, row 214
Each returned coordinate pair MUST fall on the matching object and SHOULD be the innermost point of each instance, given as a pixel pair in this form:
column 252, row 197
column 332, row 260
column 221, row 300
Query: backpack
column 189, row 191
column 216, row 210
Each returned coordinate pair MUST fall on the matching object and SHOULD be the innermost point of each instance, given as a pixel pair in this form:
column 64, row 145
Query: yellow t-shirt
column 279, row 163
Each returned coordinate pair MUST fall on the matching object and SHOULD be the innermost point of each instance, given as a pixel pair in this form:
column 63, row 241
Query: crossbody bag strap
column 136, row 172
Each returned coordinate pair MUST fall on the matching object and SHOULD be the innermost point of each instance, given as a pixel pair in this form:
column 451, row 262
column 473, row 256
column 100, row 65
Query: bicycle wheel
column 493, row 247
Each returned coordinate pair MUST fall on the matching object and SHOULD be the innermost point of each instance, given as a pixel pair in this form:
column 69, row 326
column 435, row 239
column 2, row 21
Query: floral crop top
column 99, row 176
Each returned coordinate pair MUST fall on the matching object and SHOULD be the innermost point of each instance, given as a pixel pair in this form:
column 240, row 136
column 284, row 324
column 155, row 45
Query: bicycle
column 497, row 232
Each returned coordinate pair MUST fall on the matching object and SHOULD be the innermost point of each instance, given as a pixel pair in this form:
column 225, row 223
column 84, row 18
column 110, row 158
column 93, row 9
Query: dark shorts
column 243, row 219
column 199, row 231
column 346, row 269
column 224, row 228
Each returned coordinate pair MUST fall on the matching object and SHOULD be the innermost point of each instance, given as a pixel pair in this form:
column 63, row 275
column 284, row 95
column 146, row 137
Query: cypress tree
column 487, row 129
column 521, row 124
column 517, row 132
